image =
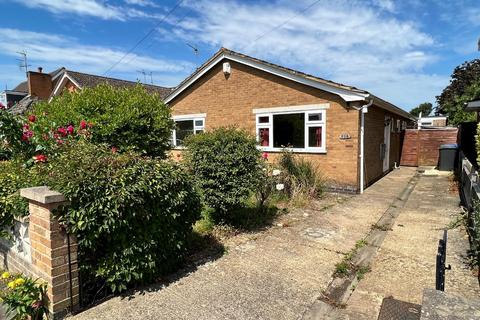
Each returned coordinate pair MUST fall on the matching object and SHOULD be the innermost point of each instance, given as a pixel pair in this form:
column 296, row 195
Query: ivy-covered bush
column 126, row 118
column 132, row 215
column 227, row 168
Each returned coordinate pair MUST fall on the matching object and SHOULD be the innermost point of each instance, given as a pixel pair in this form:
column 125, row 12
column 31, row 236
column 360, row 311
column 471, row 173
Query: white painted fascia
column 345, row 94
column 305, row 107
column 61, row 84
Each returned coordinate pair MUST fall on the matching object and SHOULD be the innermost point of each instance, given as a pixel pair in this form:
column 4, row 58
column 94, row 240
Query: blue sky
column 403, row 51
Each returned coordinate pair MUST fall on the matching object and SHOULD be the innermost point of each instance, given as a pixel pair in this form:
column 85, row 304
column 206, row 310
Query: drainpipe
column 363, row 109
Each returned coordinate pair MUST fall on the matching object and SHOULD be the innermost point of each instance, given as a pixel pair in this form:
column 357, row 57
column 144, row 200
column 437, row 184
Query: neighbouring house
column 353, row 136
column 8, row 98
column 45, row 86
column 433, row 121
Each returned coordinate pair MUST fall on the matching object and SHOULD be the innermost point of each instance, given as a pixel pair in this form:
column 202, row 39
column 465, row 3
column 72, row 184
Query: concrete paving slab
column 274, row 274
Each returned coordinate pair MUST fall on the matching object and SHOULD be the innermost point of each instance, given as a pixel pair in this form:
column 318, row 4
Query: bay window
column 185, row 126
column 300, row 128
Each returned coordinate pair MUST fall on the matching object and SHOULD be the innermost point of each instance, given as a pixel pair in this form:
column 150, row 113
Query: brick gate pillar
column 49, row 250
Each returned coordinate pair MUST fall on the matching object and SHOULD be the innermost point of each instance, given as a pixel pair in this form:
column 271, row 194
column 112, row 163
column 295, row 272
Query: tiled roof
column 21, row 87
column 90, row 80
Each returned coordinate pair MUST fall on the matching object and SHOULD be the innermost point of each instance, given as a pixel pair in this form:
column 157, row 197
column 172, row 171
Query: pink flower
column 27, row 135
column 2, row 107
column 26, row 126
column 83, row 124
column 62, row 131
column 32, row 118
column 40, row 158
column 265, row 156
column 114, row 149
column 60, row 141
column 70, row 129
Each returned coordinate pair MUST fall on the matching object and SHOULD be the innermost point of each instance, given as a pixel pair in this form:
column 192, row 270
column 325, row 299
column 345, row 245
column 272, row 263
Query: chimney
column 40, row 69
column 40, row 84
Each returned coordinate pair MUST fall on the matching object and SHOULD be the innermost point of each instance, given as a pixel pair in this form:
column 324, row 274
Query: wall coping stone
column 42, row 195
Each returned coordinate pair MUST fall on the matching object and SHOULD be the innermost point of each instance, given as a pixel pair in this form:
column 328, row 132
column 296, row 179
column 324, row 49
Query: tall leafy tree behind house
column 462, row 88
column 424, row 108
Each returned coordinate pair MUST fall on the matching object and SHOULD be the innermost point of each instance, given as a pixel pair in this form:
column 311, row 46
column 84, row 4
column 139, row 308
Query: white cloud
column 142, row 3
column 53, row 51
column 85, row 7
column 387, row 5
column 343, row 41
column 93, row 8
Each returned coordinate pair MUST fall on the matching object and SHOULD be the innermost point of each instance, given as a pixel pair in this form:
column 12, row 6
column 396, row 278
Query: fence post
column 50, row 252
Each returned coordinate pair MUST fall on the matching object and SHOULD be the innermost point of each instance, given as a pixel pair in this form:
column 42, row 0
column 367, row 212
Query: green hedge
column 128, row 118
column 226, row 165
column 132, row 215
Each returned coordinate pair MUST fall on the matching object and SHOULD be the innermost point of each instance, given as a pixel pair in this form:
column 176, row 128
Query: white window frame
column 306, row 110
column 188, row 117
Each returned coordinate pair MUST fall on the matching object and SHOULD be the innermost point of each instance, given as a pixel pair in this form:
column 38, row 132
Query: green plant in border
column 23, row 297
column 226, row 165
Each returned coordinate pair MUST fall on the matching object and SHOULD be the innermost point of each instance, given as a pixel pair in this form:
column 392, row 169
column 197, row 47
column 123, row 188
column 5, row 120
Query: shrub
column 11, row 144
column 301, row 177
column 23, row 297
column 131, row 215
column 127, row 118
column 226, row 165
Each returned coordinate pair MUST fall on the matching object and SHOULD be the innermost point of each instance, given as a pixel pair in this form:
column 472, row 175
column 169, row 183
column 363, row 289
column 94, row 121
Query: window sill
column 294, row 150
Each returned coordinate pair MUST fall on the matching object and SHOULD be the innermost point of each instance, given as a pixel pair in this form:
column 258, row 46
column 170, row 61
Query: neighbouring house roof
column 82, row 80
column 21, row 87
column 473, row 105
column 347, row 93
column 23, row 105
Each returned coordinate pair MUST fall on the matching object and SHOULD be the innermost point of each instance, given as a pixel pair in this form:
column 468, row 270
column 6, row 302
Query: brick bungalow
column 319, row 119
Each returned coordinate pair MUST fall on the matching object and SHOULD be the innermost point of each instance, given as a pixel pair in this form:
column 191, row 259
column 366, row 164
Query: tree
column 463, row 77
column 424, row 108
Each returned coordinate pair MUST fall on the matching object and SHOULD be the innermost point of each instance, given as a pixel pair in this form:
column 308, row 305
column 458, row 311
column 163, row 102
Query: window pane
column 289, row 130
column 198, row 123
column 263, row 119
column 315, row 117
column 197, row 131
column 183, row 130
column 263, row 136
column 315, row 137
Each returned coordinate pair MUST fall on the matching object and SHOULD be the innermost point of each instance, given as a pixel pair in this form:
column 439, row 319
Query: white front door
column 386, row 144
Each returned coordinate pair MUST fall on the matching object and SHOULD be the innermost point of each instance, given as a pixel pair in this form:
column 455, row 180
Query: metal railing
column 441, row 263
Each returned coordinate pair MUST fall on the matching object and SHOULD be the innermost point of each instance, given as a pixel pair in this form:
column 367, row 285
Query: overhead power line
column 283, row 23
column 148, row 34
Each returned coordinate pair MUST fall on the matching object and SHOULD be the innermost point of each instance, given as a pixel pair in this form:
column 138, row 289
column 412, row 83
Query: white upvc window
column 299, row 128
column 186, row 125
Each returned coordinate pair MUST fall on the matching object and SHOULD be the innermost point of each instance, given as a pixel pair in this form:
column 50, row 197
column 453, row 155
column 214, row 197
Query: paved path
column 280, row 273
column 405, row 263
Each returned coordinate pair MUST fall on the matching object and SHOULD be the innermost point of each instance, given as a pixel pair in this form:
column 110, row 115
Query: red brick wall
column 420, row 147
column 410, row 148
column 374, row 137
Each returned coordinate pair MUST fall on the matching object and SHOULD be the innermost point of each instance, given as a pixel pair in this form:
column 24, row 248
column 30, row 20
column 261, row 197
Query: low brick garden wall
column 40, row 250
